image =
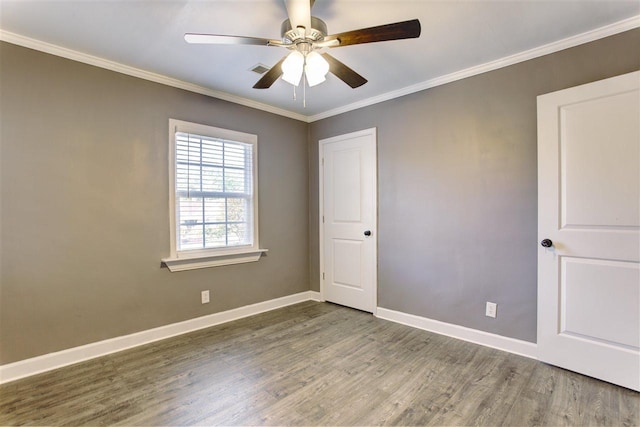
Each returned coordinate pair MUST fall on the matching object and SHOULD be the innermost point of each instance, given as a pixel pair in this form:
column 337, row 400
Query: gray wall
column 85, row 210
column 457, row 184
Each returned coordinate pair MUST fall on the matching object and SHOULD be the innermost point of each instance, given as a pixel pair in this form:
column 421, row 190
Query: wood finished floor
column 314, row 364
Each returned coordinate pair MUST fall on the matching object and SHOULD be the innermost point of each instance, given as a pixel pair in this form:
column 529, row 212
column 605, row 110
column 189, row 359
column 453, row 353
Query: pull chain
column 304, row 91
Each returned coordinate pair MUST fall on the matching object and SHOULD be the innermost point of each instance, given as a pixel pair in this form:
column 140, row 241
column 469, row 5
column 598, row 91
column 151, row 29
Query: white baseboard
column 48, row 362
column 511, row 345
column 315, row 296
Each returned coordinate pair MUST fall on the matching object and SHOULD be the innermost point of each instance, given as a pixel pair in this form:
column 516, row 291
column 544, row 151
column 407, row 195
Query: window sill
column 212, row 260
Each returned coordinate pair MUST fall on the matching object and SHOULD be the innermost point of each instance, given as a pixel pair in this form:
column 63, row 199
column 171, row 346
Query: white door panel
column 348, row 210
column 347, row 258
column 346, row 170
column 587, row 199
column 609, row 288
column 589, row 207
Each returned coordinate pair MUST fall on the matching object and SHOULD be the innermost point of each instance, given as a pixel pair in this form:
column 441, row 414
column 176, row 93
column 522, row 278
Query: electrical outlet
column 204, row 296
column 492, row 309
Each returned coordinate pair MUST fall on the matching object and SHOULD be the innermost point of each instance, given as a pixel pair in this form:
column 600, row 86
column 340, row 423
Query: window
column 214, row 203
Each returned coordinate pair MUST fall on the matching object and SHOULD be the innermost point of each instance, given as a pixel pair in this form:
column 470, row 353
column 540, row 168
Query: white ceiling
column 456, row 35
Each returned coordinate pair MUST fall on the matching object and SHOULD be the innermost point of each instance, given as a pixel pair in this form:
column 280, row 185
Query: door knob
column 367, row 233
column 546, row 243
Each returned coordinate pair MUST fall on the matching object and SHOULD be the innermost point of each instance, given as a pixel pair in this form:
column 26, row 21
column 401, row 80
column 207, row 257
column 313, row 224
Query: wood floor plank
column 507, row 383
column 457, row 362
column 468, row 397
column 565, row 406
column 314, row 364
column 530, row 405
column 628, row 407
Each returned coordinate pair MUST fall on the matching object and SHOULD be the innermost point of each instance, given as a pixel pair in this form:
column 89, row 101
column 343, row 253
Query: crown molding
column 586, row 37
column 63, row 52
column 589, row 36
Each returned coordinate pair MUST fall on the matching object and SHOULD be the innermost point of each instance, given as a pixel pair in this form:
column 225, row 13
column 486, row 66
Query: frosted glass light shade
column 292, row 68
column 316, row 68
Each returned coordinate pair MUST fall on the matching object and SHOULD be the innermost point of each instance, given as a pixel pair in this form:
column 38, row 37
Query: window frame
column 209, row 257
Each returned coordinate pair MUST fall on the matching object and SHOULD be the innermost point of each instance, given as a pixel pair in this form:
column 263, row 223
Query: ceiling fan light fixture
column 303, row 34
column 292, row 68
column 315, row 69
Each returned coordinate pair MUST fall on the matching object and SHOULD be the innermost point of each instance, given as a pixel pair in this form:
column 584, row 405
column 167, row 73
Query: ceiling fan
column 305, row 35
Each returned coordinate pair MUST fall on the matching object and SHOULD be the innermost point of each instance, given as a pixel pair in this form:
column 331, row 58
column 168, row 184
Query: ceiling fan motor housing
column 316, row 33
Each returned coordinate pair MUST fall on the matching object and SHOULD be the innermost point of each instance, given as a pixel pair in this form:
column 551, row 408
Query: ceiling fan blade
column 343, row 72
column 299, row 13
column 219, row 39
column 270, row 76
column 397, row 31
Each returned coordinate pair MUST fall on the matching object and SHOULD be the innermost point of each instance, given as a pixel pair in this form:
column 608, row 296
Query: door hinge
column 322, row 276
column 323, row 219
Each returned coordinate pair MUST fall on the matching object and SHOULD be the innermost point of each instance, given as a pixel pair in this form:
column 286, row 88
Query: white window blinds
column 214, row 192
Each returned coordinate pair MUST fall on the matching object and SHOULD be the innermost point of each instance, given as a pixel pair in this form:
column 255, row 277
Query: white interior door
column 589, row 208
column 348, row 219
